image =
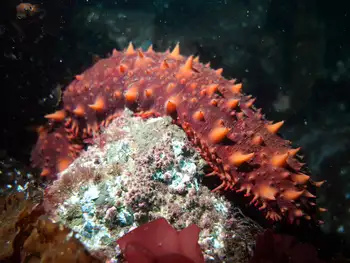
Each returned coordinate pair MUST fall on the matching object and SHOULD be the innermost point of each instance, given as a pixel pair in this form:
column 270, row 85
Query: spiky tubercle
column 240, row 145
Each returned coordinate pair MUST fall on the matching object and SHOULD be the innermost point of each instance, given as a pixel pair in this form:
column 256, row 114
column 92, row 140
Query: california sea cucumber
column 241, row 146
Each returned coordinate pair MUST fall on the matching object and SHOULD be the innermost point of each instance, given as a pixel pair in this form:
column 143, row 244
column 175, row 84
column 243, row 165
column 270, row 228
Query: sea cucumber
column 241, row 146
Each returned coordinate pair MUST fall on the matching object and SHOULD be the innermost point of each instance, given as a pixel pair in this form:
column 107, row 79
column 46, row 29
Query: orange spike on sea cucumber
column 298, row 213
column 56, row 116
column 257, row 140
column 170, row 107
column 140, row 53
column 318, row 184
column 79, row 77
column 219, row 71
column 239, row 158
column 218, row 134
column 42, row 131
column 291, row 194
column 187, row 67
column 130, row 49
column 232, row 103
column 131, row 95
column 164, row 65
column 293, row 152
column 236, row 88
column 267, row 192
column 79, row 110
column 308, row 194
column 273, row 128
column 45, row 172
column 193, row 100
column 300, row 178
column 99, row 104
column 150, row 49
column 279, row 160
column 117, row 94
column 198, row 115
column 148, row 93
column 122, row 68
column 176, row 52
column 212, row 88
column 114, row 52
column 250, row 103
column 219, row 123
column 213, row 102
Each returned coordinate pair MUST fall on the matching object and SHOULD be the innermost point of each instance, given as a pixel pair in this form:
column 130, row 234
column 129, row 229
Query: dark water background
column 292, row 55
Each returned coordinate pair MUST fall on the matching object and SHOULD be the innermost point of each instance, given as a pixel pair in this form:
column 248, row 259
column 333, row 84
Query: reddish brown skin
column 135, row 70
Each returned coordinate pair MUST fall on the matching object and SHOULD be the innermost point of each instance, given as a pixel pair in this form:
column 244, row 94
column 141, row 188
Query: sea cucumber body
column 242, row 147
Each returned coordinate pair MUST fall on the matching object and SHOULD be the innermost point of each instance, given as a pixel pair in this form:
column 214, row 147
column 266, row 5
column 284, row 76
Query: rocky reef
column 135, row 172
